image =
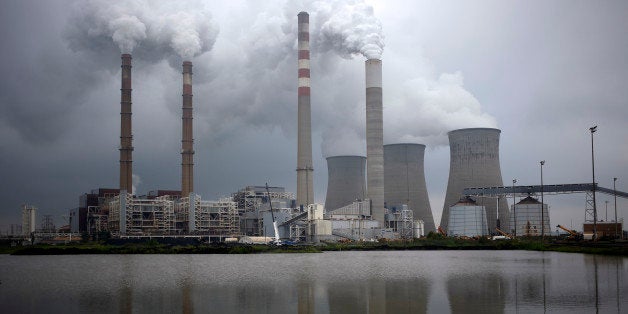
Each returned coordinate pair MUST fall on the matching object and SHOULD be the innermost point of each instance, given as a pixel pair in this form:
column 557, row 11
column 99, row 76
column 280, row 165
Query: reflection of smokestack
column 126, row 137
column 187, row 141
column 474, row 162
column 375, row 139
column 305, row 187
column 346, row 181
column 405, row 181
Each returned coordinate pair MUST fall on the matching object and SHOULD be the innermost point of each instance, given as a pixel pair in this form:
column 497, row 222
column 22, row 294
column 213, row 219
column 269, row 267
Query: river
column 330, row 282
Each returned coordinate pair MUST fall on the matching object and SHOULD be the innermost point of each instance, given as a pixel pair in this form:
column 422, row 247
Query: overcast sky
column 541, row 71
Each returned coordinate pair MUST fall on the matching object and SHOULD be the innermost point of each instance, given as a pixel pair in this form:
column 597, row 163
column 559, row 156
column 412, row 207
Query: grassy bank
column 432, row 243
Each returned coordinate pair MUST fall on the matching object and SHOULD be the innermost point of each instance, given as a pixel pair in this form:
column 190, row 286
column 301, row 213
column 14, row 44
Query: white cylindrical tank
column 404, row 176
column 474, row 162
column 418, row 229
column 346, row 181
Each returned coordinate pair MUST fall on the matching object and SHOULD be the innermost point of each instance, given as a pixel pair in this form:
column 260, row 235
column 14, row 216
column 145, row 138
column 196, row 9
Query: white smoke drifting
column 348, row 28
column 135, row 182
column 126, row 31
column 161, row 28
column 427, row 109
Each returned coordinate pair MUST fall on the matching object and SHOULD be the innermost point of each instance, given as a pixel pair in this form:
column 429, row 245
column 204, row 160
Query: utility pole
column 593, row 129
column 615, row 195
column 514, row 206
column 542, row 205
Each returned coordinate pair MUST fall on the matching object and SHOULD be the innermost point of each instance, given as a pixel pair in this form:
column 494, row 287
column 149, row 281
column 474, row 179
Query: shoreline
column 154, row 247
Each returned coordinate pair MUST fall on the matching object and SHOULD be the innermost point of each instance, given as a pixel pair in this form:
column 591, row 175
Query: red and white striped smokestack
column 305, row 186
column 187, row 141
column 126, row 137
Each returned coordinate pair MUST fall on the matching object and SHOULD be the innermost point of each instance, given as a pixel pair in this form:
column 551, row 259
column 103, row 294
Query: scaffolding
column 401, row 221
column 168, row 215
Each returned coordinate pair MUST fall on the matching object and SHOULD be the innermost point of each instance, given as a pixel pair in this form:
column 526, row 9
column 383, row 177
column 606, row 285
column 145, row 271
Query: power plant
column 305, row 169
column 404, row 178
column 474, row 162
column 346, row 181
column 380, row 196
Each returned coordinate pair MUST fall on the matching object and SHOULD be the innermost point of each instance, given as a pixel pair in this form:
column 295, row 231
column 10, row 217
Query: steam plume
column 160, row 28
column 350, row 29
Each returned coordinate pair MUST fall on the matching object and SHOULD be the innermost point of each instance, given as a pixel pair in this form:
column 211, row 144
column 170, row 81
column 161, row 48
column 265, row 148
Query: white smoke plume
column 348, row 28
column 127, row 31
column 135, row 182
column 158, row 28
column 427, row 109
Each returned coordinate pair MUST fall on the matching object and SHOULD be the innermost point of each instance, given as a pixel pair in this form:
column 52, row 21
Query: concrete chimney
column 375, row 139
column 126, row 137
column 305, row 186
column 346, row 181
column 404, row 175
column 187, row 140
column 474, row 162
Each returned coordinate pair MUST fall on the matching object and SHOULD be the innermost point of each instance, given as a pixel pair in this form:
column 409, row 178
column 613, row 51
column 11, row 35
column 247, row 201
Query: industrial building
column 404, row 178
column 474, row 162
column 28, row 219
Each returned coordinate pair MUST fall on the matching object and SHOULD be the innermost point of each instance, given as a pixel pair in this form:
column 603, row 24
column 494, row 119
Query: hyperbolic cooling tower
column 346, row 181
column 404, row 175
column 305, row 186
column 126, row 137
column 474, row 162
column 187, row 140
column 375, row 138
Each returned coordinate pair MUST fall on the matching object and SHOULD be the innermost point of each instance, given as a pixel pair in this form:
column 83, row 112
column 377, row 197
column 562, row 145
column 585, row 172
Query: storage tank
column 346, row 181
column 404, row 178
column 474, row 162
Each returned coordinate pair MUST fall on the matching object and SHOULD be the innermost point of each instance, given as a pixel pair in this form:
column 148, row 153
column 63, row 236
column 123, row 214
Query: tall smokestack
column 305, row 186
column 126, row 137
column 375, row 139
column 187, row 141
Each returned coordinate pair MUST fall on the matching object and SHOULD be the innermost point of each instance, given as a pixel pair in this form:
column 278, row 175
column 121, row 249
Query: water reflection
column 477, row 293
column 343, row 282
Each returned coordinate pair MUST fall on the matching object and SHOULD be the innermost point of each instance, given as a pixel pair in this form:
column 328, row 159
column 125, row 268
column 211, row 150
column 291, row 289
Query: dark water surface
column 331, row 282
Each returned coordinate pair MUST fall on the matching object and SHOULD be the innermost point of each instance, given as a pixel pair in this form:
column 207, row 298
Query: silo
column 474, row 162
column 346, row 181
column 404, row 175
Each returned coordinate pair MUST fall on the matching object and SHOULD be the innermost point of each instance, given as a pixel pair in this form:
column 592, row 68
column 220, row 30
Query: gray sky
column 543, row 72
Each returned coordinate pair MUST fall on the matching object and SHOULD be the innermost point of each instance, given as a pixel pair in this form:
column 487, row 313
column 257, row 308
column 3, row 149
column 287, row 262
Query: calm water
column 334, row 282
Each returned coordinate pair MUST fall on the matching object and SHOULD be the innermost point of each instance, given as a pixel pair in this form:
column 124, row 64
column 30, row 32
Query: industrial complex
column 382, row 195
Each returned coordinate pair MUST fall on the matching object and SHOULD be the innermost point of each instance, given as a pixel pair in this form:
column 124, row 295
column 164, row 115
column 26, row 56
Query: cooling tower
column 305, row 186
column 404, row 175
column 346, row 181
column 187, row 140
column 126, row 137
column 474, row 162
column 375, row 138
